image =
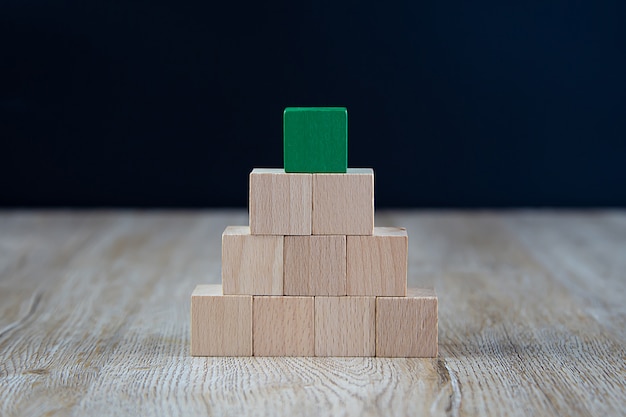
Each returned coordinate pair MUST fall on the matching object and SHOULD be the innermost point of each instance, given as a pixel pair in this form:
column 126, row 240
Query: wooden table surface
column 94, row 320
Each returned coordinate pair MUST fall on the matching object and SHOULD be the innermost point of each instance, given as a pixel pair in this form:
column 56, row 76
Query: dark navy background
column 172, row 103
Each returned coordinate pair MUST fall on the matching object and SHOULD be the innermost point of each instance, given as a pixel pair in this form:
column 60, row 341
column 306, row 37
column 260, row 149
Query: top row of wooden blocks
column 291, row 204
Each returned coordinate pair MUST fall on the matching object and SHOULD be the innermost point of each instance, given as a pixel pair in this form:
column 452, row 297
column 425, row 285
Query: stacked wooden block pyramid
column 311, row 275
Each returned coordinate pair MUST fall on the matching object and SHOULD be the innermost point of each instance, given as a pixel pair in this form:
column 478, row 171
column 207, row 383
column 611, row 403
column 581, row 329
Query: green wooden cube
column 315, row 139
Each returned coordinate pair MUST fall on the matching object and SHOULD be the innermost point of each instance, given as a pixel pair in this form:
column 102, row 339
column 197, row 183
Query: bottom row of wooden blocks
column 244, row 325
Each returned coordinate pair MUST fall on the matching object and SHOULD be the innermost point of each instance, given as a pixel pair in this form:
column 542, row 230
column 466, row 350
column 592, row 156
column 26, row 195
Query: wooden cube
column 280, row 203
column 283, row 326
column 377, row 265
column 315, row 139
column 343, row 204
column 221, row 325
column 251, row 264
column 345, row 326
column 407, row 326
column 315, row 265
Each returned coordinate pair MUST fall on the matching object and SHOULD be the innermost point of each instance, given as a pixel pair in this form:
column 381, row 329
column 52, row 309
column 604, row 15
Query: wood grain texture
column 343, row 204
column 251, row 264
column 377, row 265
column 315, row 265
column 280, row 203
column 345, row 326
column 406, row 327
column 221, row 325
column 283, row 326
column 94, row 320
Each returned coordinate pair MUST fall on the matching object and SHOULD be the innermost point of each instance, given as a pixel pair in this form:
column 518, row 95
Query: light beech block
column 345, row 326
column 406, row 327
column 251, row 264
column 377, row 265
column 221, row 325
column 343, row 204
column 315, row 265
column 280, row 203
column 284, row 326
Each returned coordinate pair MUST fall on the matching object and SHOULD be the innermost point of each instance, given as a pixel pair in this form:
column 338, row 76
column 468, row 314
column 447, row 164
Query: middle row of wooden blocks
column 330, row 265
